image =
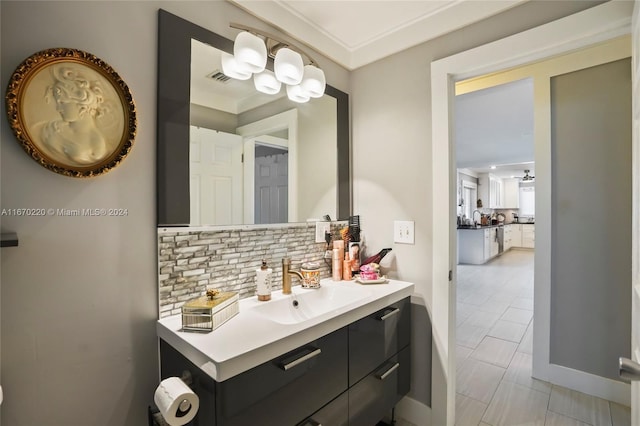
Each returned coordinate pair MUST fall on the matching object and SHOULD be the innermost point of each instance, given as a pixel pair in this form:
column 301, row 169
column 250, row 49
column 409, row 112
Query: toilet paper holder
column 187, row 378
column 185, row 410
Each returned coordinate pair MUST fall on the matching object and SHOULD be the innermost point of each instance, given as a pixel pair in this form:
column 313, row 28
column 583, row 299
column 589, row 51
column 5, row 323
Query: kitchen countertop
column 248, row 339
column 494, row 226
column 480, row 227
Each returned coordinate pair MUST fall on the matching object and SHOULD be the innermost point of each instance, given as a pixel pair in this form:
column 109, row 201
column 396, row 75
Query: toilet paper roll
column 176, row 401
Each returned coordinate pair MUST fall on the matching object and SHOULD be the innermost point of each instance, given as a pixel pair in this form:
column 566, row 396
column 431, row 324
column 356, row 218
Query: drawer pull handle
column 312, row 422
column 300, row 360
column 389, row 314
column 393, row 368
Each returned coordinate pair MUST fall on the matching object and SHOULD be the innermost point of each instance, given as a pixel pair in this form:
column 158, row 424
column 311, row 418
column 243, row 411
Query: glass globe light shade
column 232, row 68
column 250, row 51
column 313, row 81
column 266, row 82
column 297, row 94
column 288, row 66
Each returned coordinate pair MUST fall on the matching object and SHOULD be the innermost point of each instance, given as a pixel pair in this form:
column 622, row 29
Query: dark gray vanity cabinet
column 373, row 397
column 335, row 413
column 282, row 391
column 174, row 364
column 286, row 389
column 377, row 337
column 353, row 376
column 379, row 363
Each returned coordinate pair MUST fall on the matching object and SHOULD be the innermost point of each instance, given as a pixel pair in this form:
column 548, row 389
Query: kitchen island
column 478, row 245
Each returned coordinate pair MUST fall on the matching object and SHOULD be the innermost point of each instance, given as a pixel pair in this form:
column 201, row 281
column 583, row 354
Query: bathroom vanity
column 341, row 356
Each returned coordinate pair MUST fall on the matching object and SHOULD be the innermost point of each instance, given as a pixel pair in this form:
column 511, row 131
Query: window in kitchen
column 469, row 197
column 527, row 201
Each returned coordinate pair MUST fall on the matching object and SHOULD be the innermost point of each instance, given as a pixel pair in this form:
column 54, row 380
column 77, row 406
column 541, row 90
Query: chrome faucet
column 473, row 216
column 286, row 275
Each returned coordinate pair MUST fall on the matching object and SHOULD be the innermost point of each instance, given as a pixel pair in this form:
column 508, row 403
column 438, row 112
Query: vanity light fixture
column 313, row 81
column 251, row 49
column 266, row 82
column 297, row 94
column 232, row 68
column 288, row 66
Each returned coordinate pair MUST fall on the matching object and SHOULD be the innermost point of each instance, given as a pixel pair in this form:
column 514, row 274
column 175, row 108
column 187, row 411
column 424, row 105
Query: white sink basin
column 305, row 304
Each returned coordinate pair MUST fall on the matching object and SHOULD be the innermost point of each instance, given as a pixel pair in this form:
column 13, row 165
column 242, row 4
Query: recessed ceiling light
column 493, row 167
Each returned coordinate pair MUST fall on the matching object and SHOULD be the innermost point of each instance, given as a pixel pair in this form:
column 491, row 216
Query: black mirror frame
column 174, row 75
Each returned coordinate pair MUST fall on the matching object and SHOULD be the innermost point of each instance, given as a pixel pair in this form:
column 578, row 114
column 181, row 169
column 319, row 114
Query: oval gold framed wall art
column 71, row 112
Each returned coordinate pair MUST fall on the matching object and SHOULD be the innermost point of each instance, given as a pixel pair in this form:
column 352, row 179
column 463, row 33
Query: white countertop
column 248, row 339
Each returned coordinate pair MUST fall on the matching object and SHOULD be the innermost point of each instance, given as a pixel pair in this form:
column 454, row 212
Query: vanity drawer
column 335, row 413
column 285, row 390
column 377, row 337
column 374, row 396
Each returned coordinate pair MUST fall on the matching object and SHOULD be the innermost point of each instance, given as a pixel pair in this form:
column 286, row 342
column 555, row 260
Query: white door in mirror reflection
column 216, row 177
column 271, row 183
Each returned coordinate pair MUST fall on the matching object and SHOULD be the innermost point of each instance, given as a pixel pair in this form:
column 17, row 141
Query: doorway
column 592, row 26
column 494, row 288
column 271, row 181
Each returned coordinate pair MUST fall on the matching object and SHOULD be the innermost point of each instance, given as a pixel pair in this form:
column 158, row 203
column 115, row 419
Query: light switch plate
column 321, row 228
column 404, row 232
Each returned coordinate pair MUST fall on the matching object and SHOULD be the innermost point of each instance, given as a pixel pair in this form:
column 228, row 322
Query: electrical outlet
column 321, row 228
column 404, row 232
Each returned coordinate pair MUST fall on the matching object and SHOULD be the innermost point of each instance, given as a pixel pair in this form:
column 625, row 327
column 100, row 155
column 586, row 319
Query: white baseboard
column 590, row 384
column 413, row 411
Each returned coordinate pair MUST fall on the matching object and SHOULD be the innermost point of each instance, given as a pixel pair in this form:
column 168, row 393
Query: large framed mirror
column 236, row 122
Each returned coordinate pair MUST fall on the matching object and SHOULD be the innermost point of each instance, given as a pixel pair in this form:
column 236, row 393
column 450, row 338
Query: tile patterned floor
column 494, row 348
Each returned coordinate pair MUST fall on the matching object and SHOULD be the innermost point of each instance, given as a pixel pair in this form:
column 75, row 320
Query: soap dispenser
column 263, row 281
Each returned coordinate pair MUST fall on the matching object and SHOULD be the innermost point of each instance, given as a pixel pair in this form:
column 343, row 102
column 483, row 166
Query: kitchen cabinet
column 508, row 237
column 490, row 191
column 528, row 235
column 511, row 193
column 516, row 235
column 352, row 376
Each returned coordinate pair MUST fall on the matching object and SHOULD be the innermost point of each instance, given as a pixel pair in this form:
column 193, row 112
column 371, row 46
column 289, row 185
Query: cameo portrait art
column 71, row 112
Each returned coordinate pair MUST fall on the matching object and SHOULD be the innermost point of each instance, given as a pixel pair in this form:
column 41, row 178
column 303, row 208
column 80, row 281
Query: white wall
column 317, row 130
column 79, row 295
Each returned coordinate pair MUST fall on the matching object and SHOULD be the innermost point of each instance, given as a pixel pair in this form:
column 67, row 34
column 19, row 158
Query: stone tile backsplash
column 190, row 260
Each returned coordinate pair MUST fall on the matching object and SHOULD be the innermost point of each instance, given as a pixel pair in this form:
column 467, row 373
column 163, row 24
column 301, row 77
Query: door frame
column 249, row 170
column 598, row 24
column 287, row 120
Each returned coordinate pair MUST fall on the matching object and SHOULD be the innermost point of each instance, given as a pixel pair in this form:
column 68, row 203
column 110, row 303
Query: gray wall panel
column 591, row 229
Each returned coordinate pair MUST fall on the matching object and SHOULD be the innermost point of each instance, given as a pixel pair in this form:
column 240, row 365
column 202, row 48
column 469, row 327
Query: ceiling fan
column 527, row 177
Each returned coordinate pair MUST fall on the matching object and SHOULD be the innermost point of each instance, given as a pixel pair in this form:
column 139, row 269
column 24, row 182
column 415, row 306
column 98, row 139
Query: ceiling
column 494, row 127
column 356, row 33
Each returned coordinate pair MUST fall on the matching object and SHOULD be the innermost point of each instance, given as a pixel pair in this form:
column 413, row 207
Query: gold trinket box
column 209, row 312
